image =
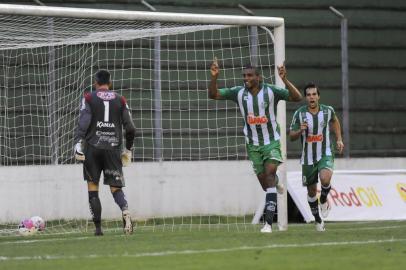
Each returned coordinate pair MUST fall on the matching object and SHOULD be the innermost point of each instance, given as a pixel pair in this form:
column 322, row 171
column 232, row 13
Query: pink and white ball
column 31, row 226
column 38, row 222
column 26, row 227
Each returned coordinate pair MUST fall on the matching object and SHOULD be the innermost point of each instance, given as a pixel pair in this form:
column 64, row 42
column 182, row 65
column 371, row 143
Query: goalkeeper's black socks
column 324, row 192
column 98, row 231
column 270, row 204
column 95, row 208
column 120, row 200
column 314, row 207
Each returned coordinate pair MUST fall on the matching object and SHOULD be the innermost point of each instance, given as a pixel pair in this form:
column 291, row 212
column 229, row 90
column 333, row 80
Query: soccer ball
column 31, row 226
column 26, row 228
column 38, row 223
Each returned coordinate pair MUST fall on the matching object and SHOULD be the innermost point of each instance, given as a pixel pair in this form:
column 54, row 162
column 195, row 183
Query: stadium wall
column 153, row 189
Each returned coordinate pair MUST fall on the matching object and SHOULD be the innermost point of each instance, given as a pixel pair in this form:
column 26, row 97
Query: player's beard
column 251, row 85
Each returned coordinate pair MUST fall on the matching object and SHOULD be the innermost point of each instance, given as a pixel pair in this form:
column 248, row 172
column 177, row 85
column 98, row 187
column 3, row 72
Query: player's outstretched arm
column 213, row 88
column 294, row 93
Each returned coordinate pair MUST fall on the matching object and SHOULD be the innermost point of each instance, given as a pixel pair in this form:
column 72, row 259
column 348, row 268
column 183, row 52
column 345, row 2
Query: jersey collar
column 102, row 89
column 260, row 86
column 319, row 109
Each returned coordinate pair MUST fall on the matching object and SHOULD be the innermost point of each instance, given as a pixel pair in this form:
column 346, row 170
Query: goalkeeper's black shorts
column 108, row 161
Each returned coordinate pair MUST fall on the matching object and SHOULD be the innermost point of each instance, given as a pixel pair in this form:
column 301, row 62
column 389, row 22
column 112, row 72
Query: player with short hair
column 312, row 123
column 257, row 102
column 98, row 143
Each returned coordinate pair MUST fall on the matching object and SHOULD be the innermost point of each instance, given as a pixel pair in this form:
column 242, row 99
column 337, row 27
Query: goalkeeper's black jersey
column 103, row 115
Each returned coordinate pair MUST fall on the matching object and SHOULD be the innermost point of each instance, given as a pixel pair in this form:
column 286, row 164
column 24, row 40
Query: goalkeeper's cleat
column 267, row 228
column 126, row 157
column 98, row 231
column 320, row 226
column 127, row 223
column 79, row 155
column 325, row 209
column 280, row 188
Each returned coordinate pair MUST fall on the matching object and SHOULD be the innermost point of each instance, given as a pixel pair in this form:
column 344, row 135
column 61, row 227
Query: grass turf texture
column 349, row 245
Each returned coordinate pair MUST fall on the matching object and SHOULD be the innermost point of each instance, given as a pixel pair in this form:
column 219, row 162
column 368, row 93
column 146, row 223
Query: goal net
column 162, row 68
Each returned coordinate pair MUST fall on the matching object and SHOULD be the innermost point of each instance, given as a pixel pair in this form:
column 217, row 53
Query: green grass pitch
column 344, row 246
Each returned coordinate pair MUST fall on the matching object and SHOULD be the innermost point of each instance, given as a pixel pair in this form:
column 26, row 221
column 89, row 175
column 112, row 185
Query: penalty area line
column 197, row 251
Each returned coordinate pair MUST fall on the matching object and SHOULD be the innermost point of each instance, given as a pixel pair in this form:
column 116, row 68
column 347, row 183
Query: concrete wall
column 153, row 189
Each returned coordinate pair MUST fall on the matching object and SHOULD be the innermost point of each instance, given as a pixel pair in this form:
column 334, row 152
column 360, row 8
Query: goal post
column 48, row 56
column 279, row 44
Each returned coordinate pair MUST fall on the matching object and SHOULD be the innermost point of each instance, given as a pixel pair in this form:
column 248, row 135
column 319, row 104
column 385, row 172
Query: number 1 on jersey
column 106, row 110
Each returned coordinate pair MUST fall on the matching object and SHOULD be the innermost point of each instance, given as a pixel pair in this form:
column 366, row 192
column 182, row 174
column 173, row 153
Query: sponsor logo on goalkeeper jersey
column 106, row 133
column 106, row 95
column 401, row 187
column 257, row 120
column 314, row 138
column 101, row 124
column 355, row 197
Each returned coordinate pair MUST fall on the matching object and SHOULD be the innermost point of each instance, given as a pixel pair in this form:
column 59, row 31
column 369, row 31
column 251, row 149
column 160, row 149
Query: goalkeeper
column 257, row 102
column 98, row 143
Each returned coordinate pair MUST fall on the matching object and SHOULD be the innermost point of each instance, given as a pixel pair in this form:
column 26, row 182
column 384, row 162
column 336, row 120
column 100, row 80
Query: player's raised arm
column 214, row 71
column 294, row 93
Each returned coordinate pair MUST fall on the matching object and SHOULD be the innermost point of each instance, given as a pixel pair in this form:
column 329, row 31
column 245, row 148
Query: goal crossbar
column 86, row 13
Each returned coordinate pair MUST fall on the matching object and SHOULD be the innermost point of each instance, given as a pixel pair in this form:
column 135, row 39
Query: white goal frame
column 279, row 47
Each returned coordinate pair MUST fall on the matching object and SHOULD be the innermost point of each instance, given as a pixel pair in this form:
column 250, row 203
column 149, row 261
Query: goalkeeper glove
column 79, row 155
column 126, row 157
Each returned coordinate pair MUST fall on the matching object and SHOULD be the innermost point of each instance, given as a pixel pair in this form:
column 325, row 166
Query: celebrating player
column 313, row 122
column 98, row 143
column 257, row 102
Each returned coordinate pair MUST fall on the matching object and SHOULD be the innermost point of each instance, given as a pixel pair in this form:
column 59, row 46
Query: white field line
column 27, row 241
column 202, row 251
column 30, row 241
column 367, row 228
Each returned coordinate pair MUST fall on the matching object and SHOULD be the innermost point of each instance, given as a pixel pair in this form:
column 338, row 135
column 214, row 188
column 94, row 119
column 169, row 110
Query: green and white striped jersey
column 259, row 111
column 316, row 142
